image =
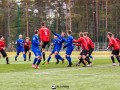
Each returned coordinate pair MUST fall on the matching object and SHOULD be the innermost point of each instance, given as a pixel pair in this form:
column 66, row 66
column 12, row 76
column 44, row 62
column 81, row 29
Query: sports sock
column 112, row 58
column 91, row 57
column 29, row 55
column 69, row 59
column 59, row 57
column 48, row 60
column 35, row 60
column 88, row 60
column 118, row 59
column 43, row 55
column 7, row 60
column 38, row 62
column 24, row 56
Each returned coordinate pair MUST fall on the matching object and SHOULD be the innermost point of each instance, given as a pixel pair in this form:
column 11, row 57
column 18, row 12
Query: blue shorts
column 53, row 51
column 58, row 49
column 37, row 52
column 20, row 50
column 69, row 50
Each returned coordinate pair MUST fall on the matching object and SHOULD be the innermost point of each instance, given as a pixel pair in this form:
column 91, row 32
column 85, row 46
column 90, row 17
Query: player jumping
column 36, row 50
column 45, row 38
column 2, row 49
column 20, row 47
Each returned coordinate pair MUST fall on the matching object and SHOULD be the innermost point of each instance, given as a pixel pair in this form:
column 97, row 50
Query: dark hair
column 110, row 34
column 86, row 33
column 1, row 36
column 69, row 31
column 43, row 24
column 35, row 31
column 81, row 34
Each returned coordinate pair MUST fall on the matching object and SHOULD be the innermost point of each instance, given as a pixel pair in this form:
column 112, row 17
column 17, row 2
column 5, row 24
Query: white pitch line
column 71, row 69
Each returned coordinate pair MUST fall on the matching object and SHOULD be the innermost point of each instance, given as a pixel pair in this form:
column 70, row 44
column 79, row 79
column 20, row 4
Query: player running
column 36, row 50
column 70, row 48
column 27, row 45
column 89, row 43
column 20, row 47
column 2, row 49
column 83, row 55
column 54, row 47
column 44, row 33
column 60, row 41
column 115, row 52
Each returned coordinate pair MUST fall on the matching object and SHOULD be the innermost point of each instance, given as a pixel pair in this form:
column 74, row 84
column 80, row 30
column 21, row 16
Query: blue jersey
column 54, row 43
column 69, row 42
column 60, row 40
column 20, row 43
column 35, row 42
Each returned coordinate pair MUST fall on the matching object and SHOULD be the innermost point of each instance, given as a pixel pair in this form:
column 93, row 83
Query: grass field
column 20, row 76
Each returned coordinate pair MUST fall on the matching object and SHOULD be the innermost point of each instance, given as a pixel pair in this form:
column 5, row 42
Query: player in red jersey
column 83, row 55
column 89, row 43
column 2, row 49
column 44, row 33
column 115, row 48
column 27, row 45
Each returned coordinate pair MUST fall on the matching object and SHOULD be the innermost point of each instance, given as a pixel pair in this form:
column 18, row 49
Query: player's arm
column 55, row 33
column 77, row 41
column 41, row 34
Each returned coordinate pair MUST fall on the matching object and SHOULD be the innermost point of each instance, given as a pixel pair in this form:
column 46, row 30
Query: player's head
column 20, row 36
column 86, row 34
column 109, row 35
column 36, row 32
column 62, row 34
column 27, row 39
column 42, row 24
column 1, row 37
column 69, row 32
column 55, row 37
column 81, row 34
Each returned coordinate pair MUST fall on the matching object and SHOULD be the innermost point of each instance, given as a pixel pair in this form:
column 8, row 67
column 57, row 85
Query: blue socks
column 24, row 56
column 91, row 57
column 59, row 57
column 35, row 60
column 38, row 62
column 48, row 58
column 69, row 59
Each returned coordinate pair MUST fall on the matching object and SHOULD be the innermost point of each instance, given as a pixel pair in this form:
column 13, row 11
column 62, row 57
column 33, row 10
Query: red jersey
column 89, row 42
column 113, row 43
column 27, row 45
column 83, row 43
column 44, row 34
column 2, row 45
column 118, row 41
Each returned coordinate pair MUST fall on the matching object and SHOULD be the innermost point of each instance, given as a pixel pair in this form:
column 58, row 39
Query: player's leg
column 49, row 57
column 29, row 55
column 39, row 60
column 18, row 52
column 56, row 56
column 4, row 54
column 117, row 56
column 112, row 58
column 60, row 58
column 43, row 51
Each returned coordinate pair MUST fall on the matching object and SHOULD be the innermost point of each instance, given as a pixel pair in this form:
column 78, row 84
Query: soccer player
column 115, row 52
column 70, row 47
column 44, row 33
column 36, row 50
column 2, row 49
column 20, row 47
column 89, row 43
column 54, row 47
column 60, row 41
column 27, row 45
column 83, row 55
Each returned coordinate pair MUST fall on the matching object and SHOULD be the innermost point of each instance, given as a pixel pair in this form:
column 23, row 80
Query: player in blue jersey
column 20, row 47
column 60, row 41
column 69, row 48
column 54, row 48
column 36, row 50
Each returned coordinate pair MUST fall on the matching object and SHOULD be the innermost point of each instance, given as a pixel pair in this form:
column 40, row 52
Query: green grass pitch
column 20, row 76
